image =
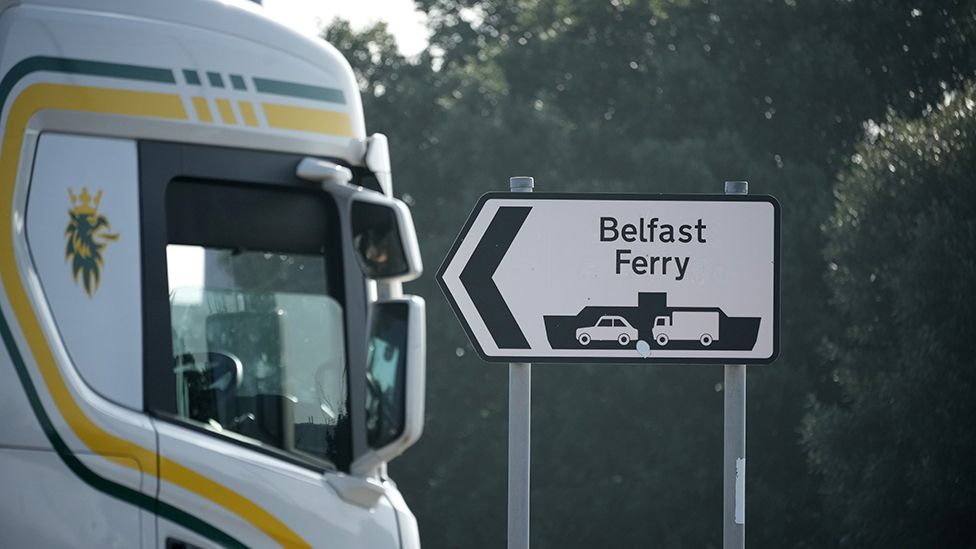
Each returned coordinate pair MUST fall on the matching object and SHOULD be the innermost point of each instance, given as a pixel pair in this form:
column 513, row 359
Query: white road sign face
column 618, row 278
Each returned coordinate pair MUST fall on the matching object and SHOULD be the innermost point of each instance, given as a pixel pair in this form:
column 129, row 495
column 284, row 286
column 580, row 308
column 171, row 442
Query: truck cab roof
column 241, row 18
column 227, row 39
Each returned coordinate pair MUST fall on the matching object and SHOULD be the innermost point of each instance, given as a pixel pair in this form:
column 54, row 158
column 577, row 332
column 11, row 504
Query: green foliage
column 896, row 452
column 640, row 96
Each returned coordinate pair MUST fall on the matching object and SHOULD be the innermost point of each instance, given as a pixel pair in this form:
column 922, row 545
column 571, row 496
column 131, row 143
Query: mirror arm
column 365, row 465
column 378, row 161
column 388, row 290
column 364, row 492
column 314, row 169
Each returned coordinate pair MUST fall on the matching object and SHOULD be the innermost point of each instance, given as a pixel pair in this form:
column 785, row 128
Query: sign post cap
column 521, row 183
column 736, row 187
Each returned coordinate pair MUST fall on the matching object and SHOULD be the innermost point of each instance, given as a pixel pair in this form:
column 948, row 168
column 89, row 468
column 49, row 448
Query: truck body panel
column 85, row 89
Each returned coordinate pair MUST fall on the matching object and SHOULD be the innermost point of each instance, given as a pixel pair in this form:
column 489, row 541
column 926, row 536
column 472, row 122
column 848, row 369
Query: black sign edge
column 700, row 197
column 439, row 276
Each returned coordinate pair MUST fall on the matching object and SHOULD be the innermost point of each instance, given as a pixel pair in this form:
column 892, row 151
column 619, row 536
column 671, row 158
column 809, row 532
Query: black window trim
column 163, row 162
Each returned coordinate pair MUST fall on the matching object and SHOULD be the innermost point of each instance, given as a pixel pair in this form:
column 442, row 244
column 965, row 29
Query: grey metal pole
column 519, row 431
column 734, row 454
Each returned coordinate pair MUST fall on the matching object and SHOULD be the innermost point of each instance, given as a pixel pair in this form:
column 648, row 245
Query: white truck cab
column 204, row 339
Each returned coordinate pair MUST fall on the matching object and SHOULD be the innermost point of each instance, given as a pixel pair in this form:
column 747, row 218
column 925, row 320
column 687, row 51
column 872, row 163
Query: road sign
column 552, row 277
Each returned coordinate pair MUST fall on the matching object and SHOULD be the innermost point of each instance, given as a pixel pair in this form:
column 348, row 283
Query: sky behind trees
column 405, row 23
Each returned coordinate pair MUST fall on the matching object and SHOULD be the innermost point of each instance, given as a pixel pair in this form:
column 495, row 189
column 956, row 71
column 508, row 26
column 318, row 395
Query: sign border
column 659, row 197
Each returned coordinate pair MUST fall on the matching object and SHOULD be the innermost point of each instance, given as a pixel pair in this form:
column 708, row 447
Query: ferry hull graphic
column 661, row 326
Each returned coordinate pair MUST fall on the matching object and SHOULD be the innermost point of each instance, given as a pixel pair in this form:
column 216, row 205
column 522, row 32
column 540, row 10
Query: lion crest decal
column 86, row 237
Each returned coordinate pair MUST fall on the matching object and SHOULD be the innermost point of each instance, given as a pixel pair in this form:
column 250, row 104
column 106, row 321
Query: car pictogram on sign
column 608, row 328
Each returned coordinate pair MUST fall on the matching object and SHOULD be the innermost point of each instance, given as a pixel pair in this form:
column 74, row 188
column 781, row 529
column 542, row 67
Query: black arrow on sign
column 476, row 277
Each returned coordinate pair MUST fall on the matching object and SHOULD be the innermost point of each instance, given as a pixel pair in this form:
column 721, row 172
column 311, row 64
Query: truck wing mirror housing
column 395, row 380
column 384, row 238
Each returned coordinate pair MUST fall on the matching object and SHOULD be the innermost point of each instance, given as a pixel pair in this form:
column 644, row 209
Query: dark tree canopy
column 896, row 453
column 657, row 96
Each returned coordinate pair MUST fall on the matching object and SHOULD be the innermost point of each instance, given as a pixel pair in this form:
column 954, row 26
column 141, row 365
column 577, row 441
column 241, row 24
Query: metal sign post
column 734, row 454
column 519, row 431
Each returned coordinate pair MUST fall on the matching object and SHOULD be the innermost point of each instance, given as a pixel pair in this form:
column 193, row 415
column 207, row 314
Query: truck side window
column 257, row 324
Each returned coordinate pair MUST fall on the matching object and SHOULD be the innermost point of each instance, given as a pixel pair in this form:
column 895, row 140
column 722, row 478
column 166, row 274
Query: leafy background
column 858, row 115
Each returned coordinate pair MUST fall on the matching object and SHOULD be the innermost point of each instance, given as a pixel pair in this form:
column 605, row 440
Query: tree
column 638, row 96
column 896, row 452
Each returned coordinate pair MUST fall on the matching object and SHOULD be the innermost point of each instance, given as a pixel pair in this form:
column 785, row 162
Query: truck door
column 253, row 314
column 75, row 445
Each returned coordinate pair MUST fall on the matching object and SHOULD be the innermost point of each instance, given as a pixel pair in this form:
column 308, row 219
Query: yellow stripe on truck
column 247, row 113
column 226, row 112
column 289, row 117
column 40, row 97
column 202, row 109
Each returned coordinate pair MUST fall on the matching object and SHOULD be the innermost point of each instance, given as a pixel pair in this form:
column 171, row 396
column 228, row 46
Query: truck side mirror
column 382, row 228
column 384, row 238
column 395, row 379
